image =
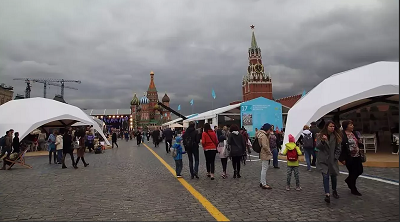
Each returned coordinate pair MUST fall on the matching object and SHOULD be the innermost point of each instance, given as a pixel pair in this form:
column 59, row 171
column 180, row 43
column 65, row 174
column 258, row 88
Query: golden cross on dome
column 252, row 26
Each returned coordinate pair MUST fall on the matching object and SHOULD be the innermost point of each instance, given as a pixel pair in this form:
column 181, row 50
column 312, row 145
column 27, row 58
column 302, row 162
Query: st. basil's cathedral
column 145, row 112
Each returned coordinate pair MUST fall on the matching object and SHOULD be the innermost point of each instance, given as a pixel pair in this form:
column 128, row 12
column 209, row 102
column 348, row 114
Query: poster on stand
column 255, row 113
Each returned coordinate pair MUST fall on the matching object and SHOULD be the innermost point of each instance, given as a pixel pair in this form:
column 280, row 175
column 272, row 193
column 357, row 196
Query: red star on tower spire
column 252, row 26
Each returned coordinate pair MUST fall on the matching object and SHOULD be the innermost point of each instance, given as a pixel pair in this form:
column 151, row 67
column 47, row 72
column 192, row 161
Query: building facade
column 6, row 93
column 145, row 111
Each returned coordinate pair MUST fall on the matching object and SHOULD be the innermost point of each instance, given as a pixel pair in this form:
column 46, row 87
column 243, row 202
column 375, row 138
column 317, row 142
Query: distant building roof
column 59, row 98
column 99, row 112
column 4, row 86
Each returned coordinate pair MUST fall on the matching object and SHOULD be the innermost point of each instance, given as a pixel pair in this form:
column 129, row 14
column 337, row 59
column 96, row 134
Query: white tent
column 176, row 125
column 25, row 115
column 341, row 90
column 95, row 119
column 213, row 114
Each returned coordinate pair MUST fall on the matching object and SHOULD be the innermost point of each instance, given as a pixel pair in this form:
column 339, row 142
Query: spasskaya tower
column 256, row 83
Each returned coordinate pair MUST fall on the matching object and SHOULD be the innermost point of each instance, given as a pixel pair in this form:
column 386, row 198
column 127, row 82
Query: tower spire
column 152, row 85
column 253, row 38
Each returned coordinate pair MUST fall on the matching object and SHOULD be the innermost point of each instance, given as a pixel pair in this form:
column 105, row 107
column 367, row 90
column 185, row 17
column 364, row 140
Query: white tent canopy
column 340, row 90
column 95, row 119
column 213, row 113
column 175, row 125
column 25, row 115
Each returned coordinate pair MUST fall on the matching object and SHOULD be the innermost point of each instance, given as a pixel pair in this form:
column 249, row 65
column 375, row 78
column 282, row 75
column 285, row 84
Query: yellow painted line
column 206, row 204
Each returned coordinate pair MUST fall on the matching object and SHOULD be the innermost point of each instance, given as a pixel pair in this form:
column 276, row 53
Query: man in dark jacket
column 168, row 135
column 114, row 139
column 16, row 144
column 68, row 149
column 191, row 140
column 314, row 130
column 156, row 137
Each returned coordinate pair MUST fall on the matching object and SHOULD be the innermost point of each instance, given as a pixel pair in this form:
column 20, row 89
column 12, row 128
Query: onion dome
column 156, row 107
column 135, row 101
column 144, row 99
column 165, row 99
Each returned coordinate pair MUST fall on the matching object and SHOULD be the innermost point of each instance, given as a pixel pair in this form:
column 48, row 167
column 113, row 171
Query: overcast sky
column 192, row 46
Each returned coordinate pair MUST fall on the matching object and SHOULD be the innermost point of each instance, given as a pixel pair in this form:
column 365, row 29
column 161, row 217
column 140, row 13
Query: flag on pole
column 179, row 107
column 191, row 102
column 213, row 94
column 304, row 93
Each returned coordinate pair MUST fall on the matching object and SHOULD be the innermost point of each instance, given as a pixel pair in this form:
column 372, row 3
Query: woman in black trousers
column 351, row 155
column 237, row 148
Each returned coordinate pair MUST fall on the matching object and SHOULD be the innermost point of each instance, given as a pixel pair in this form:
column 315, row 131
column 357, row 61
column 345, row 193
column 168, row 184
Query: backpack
column 308, row 141
column 174, row 152
column 188, row 141
column 256, row 146
column 292, row 155
column 3, row 141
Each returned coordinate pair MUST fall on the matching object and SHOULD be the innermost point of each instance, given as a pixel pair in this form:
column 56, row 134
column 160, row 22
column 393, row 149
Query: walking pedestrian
column 265, row 154
column 52, row 146
column 352, row 155
column 237, row 149
column 168, row 134
column 273, row 145
column 306, row 139
column 329, row 148
column 191, row 140
column 292, row 152
column 223, row 154
column 114, row 139
column 178, row 158
column 82, row 148
column 209, row 142
column 59, row 147
column 138, row 138
column 68, row 149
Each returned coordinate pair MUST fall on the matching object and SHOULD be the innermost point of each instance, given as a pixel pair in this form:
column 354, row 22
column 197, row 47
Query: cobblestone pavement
column 129, row 183
column 242, row 199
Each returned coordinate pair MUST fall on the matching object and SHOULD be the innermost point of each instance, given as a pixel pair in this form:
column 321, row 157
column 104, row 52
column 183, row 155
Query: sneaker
column 178, row 176
column 309, row 170
column 298, row 188
column 287, row 188
column 335, row 194
column 327, row 198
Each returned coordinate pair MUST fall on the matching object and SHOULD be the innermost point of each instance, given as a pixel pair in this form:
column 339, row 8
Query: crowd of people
column 323, row 148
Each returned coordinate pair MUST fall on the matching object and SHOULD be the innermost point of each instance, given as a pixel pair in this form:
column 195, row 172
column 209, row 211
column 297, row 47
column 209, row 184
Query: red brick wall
column 289, row 101
column 257, row 90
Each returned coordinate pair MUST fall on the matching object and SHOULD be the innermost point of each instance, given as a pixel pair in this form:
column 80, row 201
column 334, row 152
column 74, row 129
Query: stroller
column 99, row 148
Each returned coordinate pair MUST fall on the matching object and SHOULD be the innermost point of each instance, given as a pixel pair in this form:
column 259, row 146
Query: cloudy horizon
column 192, row 46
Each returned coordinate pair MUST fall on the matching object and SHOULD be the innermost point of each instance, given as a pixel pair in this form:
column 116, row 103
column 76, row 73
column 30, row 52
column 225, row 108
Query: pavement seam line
column 206, row 203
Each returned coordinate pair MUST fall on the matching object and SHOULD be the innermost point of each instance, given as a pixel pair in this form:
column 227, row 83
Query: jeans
column 59, row 156
column 138, row 141
column 210, row 160
column 236, row 164
column 264, row 169
column 307, row 155
column 325, row 178
column 55, row 156
column 178, row 167
column 224, row 162
column 355, row 168
column 194, row 152
column 168, row 144
column 289, row 170
column 275, row 157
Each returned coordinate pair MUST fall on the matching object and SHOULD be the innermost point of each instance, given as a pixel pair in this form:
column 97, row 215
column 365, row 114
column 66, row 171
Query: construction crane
column 45, row 83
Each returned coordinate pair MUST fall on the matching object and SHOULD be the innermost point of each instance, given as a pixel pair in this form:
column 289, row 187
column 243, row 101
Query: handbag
column 75, row 144
column 363, row 157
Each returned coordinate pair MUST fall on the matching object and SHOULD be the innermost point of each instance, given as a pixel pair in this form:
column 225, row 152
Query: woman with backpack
column 237, row 148
column 329, row 145
column 209, row 142
column 306, row 139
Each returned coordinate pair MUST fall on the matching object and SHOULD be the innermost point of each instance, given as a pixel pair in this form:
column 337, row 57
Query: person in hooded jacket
column 307, row 141
column 265, row 154
column 237, row 148
column 292, row 165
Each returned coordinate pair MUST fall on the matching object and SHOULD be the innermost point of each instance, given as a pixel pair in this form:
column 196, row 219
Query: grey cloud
column 192, row 46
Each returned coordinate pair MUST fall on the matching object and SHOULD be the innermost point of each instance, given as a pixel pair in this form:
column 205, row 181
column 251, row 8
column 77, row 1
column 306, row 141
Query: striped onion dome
column 144, row 99
column 135, row 100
